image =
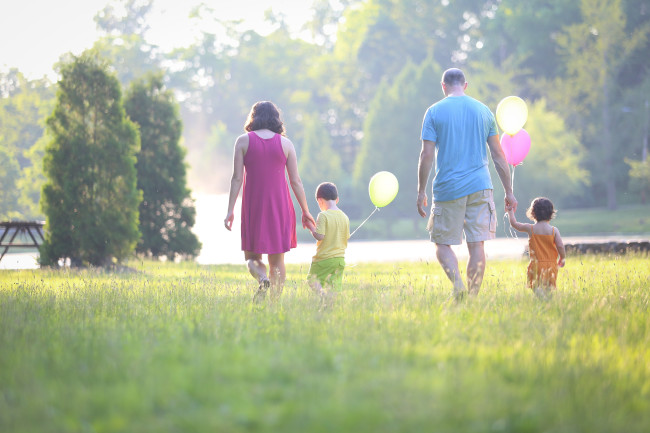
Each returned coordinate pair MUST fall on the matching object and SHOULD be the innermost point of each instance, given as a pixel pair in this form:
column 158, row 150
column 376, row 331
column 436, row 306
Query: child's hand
column 561, row 262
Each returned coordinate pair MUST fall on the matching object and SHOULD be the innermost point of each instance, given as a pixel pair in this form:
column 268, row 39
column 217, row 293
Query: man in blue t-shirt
column 455, row 131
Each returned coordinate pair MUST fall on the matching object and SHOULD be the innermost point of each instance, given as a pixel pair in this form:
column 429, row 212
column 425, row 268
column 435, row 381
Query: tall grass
column 181, row 348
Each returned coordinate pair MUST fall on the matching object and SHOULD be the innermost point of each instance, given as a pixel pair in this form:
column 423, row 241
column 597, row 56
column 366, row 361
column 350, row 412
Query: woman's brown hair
column 264, row 115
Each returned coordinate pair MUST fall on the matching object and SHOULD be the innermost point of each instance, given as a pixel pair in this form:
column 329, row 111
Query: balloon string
column 364, row 221
column 509, row 232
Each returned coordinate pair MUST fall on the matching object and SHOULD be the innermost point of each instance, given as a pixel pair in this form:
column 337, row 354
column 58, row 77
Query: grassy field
column 181, row 348
column 632, row 219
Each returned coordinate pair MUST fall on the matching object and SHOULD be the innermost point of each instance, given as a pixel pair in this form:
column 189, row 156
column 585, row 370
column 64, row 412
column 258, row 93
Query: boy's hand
column 561, row 262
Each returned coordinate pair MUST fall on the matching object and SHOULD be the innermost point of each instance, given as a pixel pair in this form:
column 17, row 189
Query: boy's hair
column 327, row 191
column 541, row 209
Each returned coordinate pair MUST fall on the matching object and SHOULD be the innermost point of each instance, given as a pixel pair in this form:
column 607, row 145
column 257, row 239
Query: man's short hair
column 453, row 77
column 327, row 191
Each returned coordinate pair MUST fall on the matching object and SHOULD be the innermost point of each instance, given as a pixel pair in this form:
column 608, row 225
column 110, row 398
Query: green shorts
column 328, row 272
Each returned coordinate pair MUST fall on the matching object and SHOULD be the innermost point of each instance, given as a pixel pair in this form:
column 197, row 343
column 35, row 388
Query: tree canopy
column 357, row 90
column 167, row 211
column 90, row 198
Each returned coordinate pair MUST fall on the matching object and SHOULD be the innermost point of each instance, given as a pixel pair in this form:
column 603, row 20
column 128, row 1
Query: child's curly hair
column 541, row 209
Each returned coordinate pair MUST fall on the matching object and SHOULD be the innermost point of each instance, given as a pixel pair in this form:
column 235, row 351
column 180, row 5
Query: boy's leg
column 335, row 277
column 315, row 277
column 315, row 285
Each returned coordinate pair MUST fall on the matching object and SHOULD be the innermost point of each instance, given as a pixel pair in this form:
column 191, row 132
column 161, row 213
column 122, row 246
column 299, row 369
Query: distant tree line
column 353, row 96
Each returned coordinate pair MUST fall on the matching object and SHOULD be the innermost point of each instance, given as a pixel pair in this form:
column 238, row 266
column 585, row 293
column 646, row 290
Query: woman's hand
column 308, row 221
column 228, row 221
column 310, row 227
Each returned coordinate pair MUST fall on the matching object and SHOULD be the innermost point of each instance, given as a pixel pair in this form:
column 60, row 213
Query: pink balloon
column 516, row 146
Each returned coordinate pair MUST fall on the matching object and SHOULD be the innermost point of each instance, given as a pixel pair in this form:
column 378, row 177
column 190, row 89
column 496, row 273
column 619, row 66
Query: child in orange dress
column 545, row 245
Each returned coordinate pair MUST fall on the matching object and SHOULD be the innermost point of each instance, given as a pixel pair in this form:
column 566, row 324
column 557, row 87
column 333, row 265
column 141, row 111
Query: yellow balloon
column 512, row 114
column 383, row 188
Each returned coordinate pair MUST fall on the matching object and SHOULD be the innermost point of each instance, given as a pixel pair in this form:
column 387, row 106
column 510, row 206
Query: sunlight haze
column 35, row 33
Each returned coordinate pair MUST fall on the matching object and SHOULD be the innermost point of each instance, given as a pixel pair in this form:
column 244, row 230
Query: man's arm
column 427, row 159
column 503, row 171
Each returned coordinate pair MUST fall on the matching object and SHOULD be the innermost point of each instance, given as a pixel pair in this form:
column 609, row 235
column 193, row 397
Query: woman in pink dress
column 268, row 220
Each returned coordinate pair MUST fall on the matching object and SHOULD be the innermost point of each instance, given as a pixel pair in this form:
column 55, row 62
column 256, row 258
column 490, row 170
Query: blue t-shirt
column 460, row 127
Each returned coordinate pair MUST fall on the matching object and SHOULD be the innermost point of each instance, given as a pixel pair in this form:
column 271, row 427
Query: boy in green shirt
column 332, row 232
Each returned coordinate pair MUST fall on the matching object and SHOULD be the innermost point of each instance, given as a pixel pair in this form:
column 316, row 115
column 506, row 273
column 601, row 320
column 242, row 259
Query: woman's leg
column 256, row 266
column 277, row 272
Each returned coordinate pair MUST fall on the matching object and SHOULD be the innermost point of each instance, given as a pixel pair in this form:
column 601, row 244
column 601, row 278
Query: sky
column 35, row 33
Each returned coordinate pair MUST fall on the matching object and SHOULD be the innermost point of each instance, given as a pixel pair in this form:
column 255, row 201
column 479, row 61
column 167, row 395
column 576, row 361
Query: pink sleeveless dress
column 268, row 220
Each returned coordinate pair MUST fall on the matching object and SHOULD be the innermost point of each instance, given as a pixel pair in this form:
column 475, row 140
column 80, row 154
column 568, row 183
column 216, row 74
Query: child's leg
column 335, row 277
column 314, row 278
column 315, row 285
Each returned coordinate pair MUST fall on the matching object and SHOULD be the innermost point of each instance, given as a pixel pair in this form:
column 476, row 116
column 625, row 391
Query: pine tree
column 167, row 211
column 90, row 197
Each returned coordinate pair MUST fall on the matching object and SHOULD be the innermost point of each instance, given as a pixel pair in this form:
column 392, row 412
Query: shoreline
column 227, row 251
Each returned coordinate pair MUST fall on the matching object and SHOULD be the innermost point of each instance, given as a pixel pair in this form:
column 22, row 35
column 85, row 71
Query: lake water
column 221, row 246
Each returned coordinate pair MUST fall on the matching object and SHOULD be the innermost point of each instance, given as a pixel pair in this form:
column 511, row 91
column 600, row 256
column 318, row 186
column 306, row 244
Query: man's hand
column 422, row 204
column 511, row 202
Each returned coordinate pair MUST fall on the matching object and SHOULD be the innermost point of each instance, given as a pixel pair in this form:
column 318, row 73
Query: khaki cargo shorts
column 474, row 214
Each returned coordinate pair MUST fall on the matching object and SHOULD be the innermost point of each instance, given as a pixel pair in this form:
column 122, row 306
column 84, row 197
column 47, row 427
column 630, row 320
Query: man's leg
column 449, row 262
column 480, row 225
column 475, row 266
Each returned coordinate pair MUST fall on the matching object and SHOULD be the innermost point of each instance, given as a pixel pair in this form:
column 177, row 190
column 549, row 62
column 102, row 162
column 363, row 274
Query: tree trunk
column 610, row 181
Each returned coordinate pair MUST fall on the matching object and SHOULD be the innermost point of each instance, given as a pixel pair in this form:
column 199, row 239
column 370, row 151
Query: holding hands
column 511, row 202
column 308, row 221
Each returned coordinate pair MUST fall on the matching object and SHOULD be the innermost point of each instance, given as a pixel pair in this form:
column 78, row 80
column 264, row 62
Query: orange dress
column 542, row 269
